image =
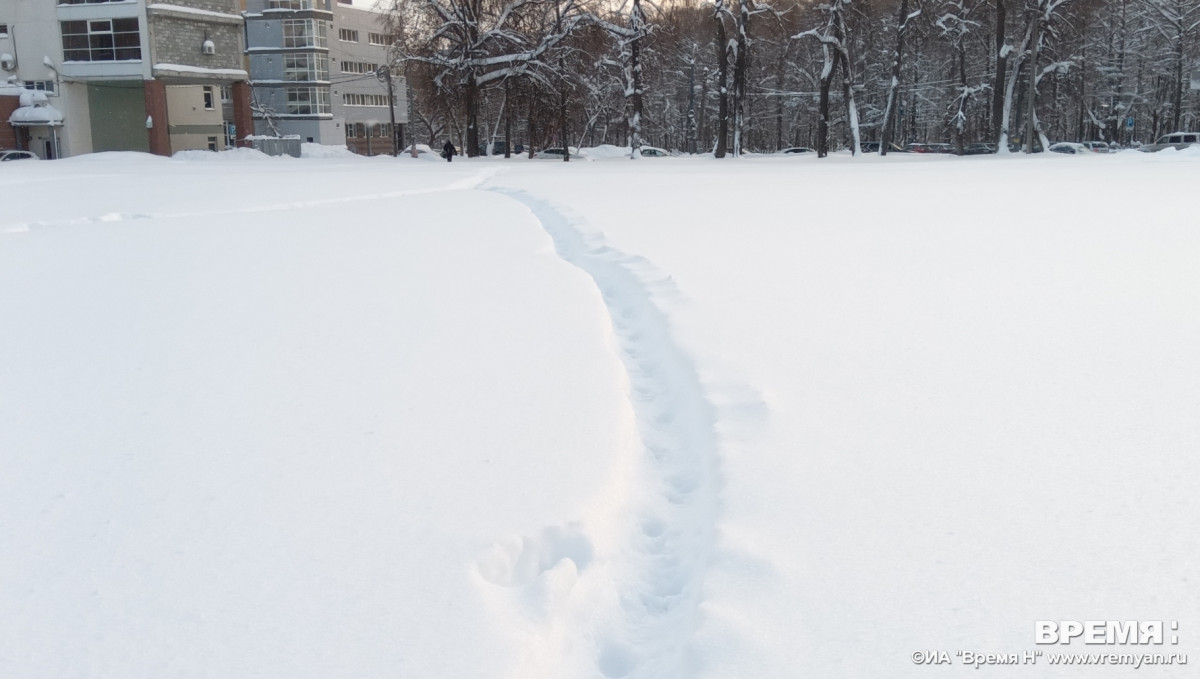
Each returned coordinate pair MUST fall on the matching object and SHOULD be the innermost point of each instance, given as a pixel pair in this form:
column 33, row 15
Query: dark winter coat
column 448, row 150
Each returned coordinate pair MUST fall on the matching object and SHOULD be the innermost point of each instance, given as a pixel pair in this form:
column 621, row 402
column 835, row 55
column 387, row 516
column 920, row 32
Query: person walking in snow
column 448, row 151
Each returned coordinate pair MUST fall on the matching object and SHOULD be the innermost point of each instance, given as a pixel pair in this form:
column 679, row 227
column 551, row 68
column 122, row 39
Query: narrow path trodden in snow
column 664, row 515
column 472, row 181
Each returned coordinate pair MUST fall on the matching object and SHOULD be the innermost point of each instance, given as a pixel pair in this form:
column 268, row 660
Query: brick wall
column 8, row 135
column 179, row 41
column 178, row 38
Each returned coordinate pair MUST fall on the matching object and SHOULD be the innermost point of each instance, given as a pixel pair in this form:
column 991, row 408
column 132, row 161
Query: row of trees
column 734, row 75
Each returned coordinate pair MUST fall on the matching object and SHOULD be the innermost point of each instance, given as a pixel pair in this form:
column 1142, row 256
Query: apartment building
column 121, row 75
column 313, row 66
column 360, row 98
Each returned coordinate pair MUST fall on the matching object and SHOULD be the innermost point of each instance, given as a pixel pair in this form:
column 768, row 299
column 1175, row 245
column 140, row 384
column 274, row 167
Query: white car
column 14, row 154
column 1098, row 146
column 557, row 153
column 654, row 152
column 1069, row 147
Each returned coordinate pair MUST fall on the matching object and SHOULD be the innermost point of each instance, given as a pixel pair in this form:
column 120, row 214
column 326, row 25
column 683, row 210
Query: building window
column 352, row 99
column 212, row 143
column 347, row 35
column 307, row 101
column 305, row 67
column 101, row 40
column 85, row 2
column 226, row 94
column 209, row 103
column 304, row 33
column 3, row 30
column 359, row 67
column 290, row 4
column 46, row 86
column 379, row 39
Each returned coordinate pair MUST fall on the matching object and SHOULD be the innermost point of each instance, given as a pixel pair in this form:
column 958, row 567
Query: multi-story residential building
column 122, row 75
column 313, row 66
column 287, row 42
column 360, row 97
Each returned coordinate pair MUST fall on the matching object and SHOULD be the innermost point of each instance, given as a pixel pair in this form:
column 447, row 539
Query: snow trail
column 467, row 183
column 666, row 535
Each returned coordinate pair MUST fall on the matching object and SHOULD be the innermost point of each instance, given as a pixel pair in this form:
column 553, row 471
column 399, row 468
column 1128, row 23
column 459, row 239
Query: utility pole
column 408, row 95
column 562, row 91
column 507, row 123
column 385, row 73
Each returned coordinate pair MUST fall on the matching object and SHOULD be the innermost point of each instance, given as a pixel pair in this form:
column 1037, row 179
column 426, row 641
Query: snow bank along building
column 79, row 76
column 313, row 66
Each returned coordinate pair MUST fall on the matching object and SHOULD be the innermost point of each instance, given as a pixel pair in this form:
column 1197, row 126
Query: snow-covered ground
column 667, row 419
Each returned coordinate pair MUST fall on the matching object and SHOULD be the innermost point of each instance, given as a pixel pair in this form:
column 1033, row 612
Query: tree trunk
column 851, row 107
column 823, row 105
column 471, row 99
column 889, row 110
column 739, row 76
column 691, row 111
column 780, row 75
column 507, row 123
column 562, row 93
column 998, row 80
column 1177, row 103
column 960, row 119
column 633, row 79
column 1009, row 89
column 529, row 127
column 1031, row 122
column 722, row 86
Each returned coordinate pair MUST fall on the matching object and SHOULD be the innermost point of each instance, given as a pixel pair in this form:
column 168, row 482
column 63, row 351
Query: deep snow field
column 668, row 419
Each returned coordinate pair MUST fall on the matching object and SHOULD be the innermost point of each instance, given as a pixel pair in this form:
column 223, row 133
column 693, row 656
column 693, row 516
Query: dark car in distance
column 929, row 148
column 873, row 147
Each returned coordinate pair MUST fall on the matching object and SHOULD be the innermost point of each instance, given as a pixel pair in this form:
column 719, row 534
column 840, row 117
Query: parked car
column 654, row 152
column 1098, row 146
column 497, row 148
column 929, row 148
column 873, row 147
column 14, row 154
column 979, row 149
column 558, row 153
column 1070, row 147
column 1018, row 147
column 798, row 149
column 1175, row 140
